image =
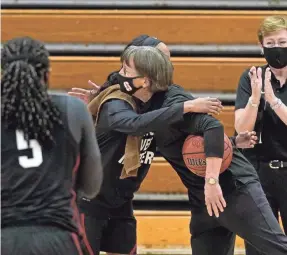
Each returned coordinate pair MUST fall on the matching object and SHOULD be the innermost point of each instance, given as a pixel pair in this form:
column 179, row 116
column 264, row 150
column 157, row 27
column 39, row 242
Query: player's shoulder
column 176, row 94
column 64, row 101
column 116, row 104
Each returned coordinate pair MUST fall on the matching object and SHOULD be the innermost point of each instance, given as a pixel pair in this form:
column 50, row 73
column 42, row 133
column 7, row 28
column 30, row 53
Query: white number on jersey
column 22, row 144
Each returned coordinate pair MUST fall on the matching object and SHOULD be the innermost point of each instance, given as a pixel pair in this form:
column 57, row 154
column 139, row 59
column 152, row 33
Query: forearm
column 131, row 123
column 247, row 118
column 213, row 166
column 281, row 112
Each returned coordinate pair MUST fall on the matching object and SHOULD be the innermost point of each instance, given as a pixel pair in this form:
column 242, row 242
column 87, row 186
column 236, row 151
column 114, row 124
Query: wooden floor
column 166, row 229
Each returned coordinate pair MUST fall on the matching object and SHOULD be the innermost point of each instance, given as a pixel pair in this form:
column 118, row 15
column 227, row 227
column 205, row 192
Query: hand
column 245, row 140
column 256, row 83
column 269, row 93
column 203, row 105
column 85, row 94
column 214, row 199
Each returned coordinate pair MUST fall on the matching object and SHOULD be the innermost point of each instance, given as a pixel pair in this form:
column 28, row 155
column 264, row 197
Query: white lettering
column 121, row 161
column 149, row 157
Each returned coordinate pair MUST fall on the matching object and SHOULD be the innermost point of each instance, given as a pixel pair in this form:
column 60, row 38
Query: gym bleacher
column 211, row 42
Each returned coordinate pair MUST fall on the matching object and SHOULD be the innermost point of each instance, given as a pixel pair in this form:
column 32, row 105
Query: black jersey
column 171, row 139
column 39, row 185
column 117, row 120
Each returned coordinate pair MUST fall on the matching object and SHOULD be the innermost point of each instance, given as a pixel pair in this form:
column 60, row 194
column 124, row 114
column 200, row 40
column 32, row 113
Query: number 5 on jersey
column 22, row 144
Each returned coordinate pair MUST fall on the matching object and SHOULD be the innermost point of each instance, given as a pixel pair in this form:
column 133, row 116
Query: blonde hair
column 271, row 24
column 152, row 63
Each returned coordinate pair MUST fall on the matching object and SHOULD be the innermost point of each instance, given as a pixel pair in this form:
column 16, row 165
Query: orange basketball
column 194, row 156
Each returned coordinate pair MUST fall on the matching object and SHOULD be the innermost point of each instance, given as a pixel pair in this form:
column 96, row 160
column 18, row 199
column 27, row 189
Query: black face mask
column 127, row 84
column 276, row 57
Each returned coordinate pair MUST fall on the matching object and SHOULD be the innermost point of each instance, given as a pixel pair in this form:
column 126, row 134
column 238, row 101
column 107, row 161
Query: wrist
column 188, row 107
column 273, row 101
column 254, row 102
column 276, row 104
column 211, row 180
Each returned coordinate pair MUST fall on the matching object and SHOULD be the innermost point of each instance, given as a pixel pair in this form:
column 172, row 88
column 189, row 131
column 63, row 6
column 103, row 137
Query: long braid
column 25, row 102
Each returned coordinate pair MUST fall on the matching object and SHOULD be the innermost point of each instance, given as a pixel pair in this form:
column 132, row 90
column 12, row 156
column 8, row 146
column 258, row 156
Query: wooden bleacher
column 111, row 26
column 194, row 74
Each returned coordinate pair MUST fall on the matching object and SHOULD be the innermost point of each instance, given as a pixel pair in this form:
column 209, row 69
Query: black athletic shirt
column 274, row 130
column 116, row 121
column 38, row 185
column 171, row 138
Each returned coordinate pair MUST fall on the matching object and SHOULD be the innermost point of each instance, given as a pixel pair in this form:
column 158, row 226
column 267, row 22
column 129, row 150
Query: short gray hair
column 152, row 63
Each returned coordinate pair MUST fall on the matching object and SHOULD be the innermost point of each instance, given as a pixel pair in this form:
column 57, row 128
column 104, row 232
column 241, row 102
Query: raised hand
column 255, row 76
column 269, row 92
column 85, row 94
column 245, row 140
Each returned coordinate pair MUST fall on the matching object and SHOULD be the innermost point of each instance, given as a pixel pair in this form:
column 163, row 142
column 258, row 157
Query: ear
column 261, row 48
column 147, row 82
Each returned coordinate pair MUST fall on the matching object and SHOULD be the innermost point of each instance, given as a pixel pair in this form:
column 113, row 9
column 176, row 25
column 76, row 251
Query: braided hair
column 25, row 103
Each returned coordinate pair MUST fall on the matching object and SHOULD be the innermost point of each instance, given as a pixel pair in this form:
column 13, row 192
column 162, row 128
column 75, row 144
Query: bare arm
column 281, row 111
column 248, row 100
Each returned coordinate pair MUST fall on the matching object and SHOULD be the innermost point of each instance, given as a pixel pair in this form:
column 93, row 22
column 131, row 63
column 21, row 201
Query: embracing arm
column 119, row 116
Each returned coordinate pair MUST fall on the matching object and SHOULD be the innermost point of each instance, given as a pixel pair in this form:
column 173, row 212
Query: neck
column 280, row 74
column 144, row 96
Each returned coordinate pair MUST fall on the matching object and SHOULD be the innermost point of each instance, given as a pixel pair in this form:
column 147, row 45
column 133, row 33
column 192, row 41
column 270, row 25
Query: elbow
column 92, row 184
column 91, row 191
column 94, row 188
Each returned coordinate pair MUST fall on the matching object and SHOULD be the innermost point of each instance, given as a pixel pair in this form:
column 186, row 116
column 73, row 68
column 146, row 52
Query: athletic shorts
column 115, row 234
column 40, row 240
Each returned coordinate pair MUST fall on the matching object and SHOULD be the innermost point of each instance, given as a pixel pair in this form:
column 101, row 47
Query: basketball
column 194, row 156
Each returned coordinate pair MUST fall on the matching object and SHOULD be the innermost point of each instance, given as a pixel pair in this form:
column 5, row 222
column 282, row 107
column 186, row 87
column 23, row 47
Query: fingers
column 215, row 109
column 255, row 76
column 252, row 73
column 217, row 205
column 259, row 73
column 215, row 209
column 78, row 95
column 222, row 200
column 97, row 87
column 213, row 99
column 267, row 75
column 80, row 90
column 209, row 208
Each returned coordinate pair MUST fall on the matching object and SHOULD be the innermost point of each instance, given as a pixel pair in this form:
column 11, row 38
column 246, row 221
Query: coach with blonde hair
column 261, row 105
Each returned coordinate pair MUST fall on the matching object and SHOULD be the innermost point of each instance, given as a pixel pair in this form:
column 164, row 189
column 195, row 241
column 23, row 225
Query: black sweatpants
column 39, row 240
column 274, row 184
column 112, row 231
column 248, row 215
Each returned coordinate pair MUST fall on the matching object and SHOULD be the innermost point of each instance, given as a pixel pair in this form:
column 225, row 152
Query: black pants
column 248, row 215
column 39, row 240
column 274, row 184
column 114, row 233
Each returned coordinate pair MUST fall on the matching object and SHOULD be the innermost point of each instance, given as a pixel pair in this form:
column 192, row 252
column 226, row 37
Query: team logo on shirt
column 146, row 155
